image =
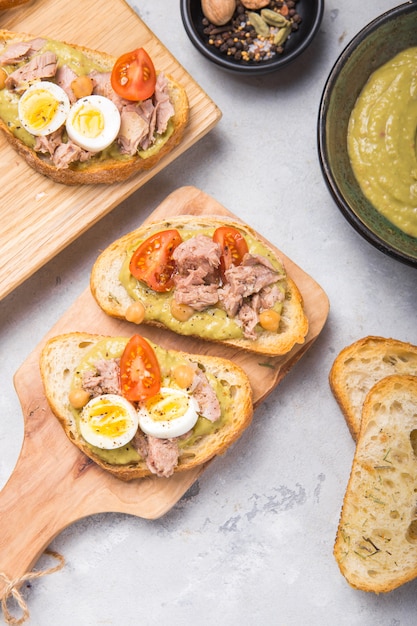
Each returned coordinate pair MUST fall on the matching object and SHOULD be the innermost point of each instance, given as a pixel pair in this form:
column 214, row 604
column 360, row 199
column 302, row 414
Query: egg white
column 43, row 108
column 93, row 123
column 108, row 421
column 171, row 413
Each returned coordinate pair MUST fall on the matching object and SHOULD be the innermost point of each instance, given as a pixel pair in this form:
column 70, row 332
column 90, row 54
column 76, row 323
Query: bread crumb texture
column 376, row 543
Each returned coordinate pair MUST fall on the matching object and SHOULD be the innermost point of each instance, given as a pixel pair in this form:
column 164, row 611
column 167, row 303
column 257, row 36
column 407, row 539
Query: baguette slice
column 98, row 170
column 114, row 299
column 63, row 354
column 359, row 366
column 376, row 542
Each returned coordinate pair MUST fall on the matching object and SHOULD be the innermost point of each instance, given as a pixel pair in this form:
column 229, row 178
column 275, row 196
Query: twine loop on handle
column 12, row 589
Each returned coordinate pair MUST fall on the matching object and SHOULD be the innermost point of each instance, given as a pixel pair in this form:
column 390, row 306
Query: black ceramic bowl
column 311, row 12
column 373, row 46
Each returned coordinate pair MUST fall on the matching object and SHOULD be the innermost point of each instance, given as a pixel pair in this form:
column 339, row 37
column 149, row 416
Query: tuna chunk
column 20, row 51
column 162, row 456
column 199, row 252
column 41, row 66
column 47, row 144
column 208, row 402
column 250, row 288
column 196, row 281
column 64, row 77
column 242, row 281
column 67, row 153
column 104, row 379
column 102, row 87
column 248, row 318
column 164, row 108
column 133, row 130
column 198, row 297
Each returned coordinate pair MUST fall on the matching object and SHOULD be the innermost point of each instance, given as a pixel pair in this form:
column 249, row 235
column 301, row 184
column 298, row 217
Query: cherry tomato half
column 233, row 246
column 133, row 76
column 140, row 374
column 152, row 262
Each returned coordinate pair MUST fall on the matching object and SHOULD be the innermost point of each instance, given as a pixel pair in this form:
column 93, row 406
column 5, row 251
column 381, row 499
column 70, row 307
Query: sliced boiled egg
column 93, row 123
column 170, row 413
column 108, row 421
column 43, row 108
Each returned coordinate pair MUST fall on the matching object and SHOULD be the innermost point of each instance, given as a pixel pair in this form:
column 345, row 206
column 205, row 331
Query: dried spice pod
column 273, row 18
column 260, row 26
column 218, row 12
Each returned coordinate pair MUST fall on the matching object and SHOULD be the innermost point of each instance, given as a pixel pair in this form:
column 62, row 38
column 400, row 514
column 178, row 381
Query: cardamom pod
column 273, row 18
column 282, row 35
column 260, row 26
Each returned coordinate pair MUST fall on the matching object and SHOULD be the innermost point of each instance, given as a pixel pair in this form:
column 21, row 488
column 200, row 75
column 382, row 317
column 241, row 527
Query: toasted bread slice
column 376, row 543
column 107, row 166
column 62, row 357
column 113, row 297
column 359, row 366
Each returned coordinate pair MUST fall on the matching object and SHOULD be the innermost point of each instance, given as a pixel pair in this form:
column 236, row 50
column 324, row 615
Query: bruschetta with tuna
column 139, row 410
column 210, row 278
column 81, row 116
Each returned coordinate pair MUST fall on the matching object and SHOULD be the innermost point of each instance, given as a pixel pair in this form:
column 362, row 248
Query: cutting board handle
column 33, row 503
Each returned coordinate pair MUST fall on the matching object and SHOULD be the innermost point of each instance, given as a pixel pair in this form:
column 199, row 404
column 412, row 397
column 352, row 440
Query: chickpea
column 269, row 320
column 183, row 375
column 135, row 313
column 78, row 397
column 82, row 86
column 3, row 76
column 181, row 312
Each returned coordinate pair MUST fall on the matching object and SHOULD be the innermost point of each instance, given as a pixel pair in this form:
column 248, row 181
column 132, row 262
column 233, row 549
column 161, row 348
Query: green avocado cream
column 382, row 140
column 81, row 64
column 213, row 322
column 113, row 348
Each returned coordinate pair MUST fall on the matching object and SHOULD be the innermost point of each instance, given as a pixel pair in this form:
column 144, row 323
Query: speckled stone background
column 251, row 542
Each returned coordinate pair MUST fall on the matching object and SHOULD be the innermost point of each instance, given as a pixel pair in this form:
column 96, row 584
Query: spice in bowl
column 257, row 30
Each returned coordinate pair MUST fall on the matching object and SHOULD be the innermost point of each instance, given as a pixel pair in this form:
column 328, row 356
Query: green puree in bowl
column 382, row 140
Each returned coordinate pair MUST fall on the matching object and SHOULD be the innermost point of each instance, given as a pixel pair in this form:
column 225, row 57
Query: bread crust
column 10, row 4
column 360, row 365
column 61, row 356
column 376, row 542
column 113, row 298
column 107, row 171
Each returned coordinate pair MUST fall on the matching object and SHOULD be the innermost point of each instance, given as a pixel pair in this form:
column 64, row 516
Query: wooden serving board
column 53, row 483
column 42, row 216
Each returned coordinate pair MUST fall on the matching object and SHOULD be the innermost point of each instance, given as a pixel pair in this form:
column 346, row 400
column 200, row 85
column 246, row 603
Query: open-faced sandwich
column 137, row 409
column 80, row 116
column 211, row 278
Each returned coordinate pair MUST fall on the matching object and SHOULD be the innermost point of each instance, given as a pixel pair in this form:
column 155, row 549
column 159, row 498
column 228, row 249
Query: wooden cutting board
column 39, row 217
column 53, row 483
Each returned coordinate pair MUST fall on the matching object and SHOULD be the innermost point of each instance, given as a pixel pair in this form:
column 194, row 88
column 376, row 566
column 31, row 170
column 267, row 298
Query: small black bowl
column 373, row 46
column 311, row 12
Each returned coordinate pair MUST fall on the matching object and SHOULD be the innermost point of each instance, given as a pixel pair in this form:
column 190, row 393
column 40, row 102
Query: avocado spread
column 382, row 140
column 80, row 63
column 213, row 322
column 113, row 348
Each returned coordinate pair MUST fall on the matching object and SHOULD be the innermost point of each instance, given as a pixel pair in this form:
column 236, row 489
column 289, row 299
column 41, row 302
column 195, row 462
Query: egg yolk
column 88, row 121
column 40, row 109
column 163, row 407
column 108, row 419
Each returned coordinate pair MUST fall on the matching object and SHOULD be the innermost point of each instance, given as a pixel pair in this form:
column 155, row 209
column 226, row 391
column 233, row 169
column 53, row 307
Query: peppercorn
column 238, row 38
